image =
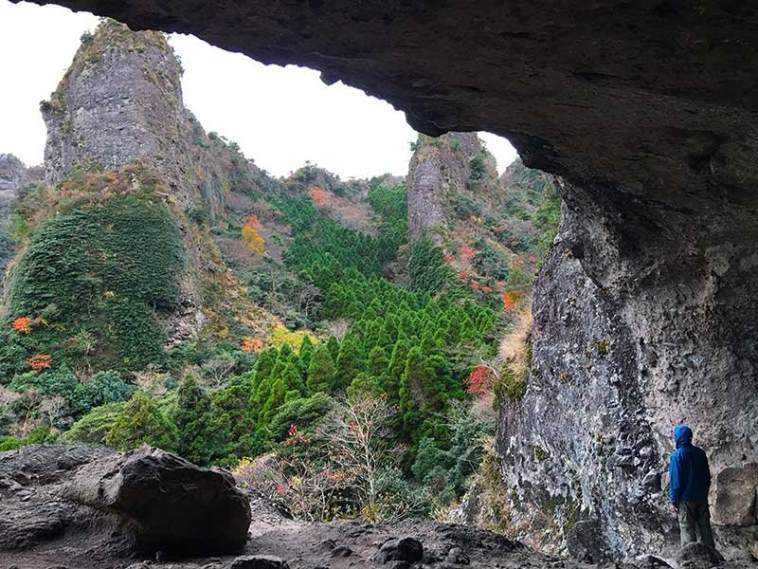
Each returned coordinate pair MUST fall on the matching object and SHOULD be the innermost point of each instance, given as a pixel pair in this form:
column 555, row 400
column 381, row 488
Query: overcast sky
column 280, row 116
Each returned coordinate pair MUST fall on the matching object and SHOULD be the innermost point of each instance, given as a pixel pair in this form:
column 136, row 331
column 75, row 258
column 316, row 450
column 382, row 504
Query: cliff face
column 133, row 184
column 120, row 101
column 14, row 178
column 440, row 169
column 640, row 323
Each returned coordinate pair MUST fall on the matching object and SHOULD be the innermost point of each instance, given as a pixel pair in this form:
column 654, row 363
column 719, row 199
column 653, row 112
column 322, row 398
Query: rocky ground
column 74, row 507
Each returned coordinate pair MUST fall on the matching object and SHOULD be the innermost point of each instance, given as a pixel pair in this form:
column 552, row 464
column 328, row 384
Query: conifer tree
column 333, row 346
column 322, row 371
column 305, row 354
column 415, row 385
column 349, row 363
column 141, row 422
column 378, row 362
column 201, row 439
column 275, row 400
column 235, row 416
column 396, row 369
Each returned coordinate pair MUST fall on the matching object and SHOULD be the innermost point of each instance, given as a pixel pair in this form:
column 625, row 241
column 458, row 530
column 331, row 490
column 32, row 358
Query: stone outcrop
column 639, row 324
column 115, row 505
column 737, row 496
column 119, row 109
column 440, row 168
column 645, row 313
column 173, row 504
column 14, row 178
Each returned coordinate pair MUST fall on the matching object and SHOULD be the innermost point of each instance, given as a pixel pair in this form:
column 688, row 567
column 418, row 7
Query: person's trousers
column 695, row 516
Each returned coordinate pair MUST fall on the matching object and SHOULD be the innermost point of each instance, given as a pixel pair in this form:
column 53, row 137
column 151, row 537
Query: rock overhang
column 647, row 97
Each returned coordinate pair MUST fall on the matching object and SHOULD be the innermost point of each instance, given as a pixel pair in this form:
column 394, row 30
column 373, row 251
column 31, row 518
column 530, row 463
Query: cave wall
column 644, row 317
column 645, row 312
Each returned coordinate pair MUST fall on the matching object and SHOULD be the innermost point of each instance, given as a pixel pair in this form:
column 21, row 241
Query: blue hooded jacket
column 688, row 469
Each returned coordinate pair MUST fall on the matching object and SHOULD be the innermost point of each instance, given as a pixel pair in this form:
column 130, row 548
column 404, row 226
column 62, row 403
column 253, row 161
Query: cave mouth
column 648, row 114
column 283, row 117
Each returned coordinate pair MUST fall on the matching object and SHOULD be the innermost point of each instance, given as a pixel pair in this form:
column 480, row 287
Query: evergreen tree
column 141, row 422
column 273, row 403
column 396, row 369
column 378, row 362
column 415, row 384
column 201, row 438
column 235, row 417
column 349, row 363
column 322, row 371
column 333, row 346
column 305, row 354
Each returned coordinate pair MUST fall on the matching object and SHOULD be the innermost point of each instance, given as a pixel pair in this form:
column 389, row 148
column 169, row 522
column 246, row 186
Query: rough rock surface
column 105, row 505
column 14, row 178
column 640, row 323
column 645, row 313
column 438, row 169
column 43, row 524
column 174, row 505
column 737, row 495
column 119, row 108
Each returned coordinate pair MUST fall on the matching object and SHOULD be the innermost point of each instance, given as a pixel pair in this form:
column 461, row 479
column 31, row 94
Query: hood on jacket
column 682, row 435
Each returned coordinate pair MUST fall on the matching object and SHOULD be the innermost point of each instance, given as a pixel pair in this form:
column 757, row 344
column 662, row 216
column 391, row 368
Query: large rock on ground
column 110, row 505
column 172, row 504
column 736, row 496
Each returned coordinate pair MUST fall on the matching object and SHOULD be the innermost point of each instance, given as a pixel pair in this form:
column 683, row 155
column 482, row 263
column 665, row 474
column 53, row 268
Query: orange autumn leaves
column 251, row 235
column 319, row 196
column 22, row 324
column 250, row 344
column 466, row 253
column 38, row 362
column 510, row 299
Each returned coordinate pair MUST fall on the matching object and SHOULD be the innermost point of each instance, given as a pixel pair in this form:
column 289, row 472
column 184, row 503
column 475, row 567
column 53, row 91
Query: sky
column 280, row 116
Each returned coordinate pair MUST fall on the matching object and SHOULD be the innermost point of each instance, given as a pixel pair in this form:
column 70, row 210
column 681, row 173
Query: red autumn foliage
column 479, row 381
column 449, row 259
column 280, row 489
column 467, row 252
column 486, row 289
column 475, row 285
column 22, row 324
column 40, row 361
column 292, row 431
column 463, row 275
column 319, row 196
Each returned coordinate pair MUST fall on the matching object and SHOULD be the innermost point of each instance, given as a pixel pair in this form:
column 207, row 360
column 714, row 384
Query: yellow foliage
column 280, row 336
column 252, row 237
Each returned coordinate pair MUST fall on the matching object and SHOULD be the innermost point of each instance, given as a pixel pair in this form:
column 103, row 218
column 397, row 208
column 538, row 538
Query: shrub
column 103, row 269
column 141, row 422
column 93, row 428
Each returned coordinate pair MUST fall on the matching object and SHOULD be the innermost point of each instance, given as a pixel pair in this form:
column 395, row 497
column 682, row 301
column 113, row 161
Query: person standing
column 690, row 481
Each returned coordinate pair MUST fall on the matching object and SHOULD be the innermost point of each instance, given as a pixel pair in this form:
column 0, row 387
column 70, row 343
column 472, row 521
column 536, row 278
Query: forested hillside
column 305, row 332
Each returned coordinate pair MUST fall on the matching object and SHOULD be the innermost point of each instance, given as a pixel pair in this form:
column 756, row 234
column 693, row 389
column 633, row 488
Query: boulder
column 736, row 495
column 585, row 543
column 259, row 562
column 698, row 556
column 406, row 549
column 172, row 505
